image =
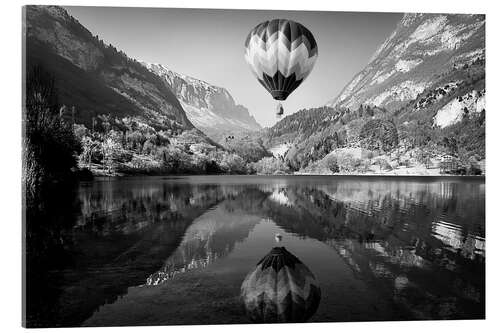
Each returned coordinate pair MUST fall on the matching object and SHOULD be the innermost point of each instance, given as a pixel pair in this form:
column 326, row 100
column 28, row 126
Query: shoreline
column 429, row 173
column 386, row 175
column 103, row 177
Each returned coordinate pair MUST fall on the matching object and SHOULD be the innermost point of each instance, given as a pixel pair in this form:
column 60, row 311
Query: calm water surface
column 160, row 250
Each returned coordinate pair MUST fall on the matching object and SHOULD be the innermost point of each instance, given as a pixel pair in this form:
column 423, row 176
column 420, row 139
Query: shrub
column 424, row 157
column 269, row 166
column 174, row 159
column 383, row 164
column 474, row 170
column 364, row 166
column 348, row 163
column 233, row 163
column 332, row 164
column 145, row 164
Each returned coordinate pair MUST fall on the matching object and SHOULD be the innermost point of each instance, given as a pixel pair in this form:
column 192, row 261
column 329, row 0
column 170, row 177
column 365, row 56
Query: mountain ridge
column 425, row 84
column 411, row 59
column 113, row 83
column 210, row 108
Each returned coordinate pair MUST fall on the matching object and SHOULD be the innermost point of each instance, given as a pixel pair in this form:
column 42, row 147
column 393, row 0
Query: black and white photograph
column 191, row 166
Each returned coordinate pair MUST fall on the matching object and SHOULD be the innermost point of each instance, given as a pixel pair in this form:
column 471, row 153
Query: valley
column 417, row 108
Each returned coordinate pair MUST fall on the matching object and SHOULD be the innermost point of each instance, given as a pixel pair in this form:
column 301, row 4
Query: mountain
column 420, row 99
column 423, row 50
column 211, row 109
column 94, row 77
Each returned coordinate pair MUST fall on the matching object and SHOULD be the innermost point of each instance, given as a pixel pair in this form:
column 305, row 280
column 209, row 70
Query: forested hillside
column 381, row 122
column 95, row 77
column 125, row 117
column 417, row 108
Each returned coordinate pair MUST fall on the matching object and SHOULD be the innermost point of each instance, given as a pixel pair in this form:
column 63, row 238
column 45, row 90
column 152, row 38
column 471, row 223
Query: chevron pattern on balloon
column 278, row 284
column 281, row 54
column 293, row 308
column 280, row 289
column 278, row 303
column 277, row 56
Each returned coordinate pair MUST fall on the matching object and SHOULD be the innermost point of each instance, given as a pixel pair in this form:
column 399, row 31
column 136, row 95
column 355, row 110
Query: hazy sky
column 209, row 45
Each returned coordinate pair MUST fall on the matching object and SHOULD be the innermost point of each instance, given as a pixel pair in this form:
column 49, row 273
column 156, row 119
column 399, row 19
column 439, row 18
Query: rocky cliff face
column 211, row 109
column 94, row 77
column 423, row 50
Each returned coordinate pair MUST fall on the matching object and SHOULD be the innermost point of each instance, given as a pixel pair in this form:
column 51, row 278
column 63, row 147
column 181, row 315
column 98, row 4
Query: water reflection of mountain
column 419, row 243
column 211, row 236
column 84, row 250
column 369, row 214
column 398, row 238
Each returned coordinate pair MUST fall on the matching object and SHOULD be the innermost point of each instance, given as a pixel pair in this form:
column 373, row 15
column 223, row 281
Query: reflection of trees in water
column 48, row 246
column 127, row 210
column 422, row 243
column 382, row 213
column 391, row 239
column 85, row 249
column 424, row 288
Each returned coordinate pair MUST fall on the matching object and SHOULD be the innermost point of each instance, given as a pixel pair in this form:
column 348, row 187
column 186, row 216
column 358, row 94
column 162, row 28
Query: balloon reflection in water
column 280, row 289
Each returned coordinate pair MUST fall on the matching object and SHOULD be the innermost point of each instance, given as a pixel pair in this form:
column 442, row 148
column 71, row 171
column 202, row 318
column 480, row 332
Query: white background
column 10, row 159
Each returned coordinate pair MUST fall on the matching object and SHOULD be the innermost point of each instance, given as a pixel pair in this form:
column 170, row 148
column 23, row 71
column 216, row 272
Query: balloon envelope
column 281, row 54
column 280, row 289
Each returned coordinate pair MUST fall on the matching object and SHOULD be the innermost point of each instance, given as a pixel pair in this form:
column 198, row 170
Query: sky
column 208, row 44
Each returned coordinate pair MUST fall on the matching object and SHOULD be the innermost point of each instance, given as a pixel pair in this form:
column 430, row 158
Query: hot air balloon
column 281, row 54
column 281, row 289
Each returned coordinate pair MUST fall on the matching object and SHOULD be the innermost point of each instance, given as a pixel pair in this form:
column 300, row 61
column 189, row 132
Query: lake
column 175, row 250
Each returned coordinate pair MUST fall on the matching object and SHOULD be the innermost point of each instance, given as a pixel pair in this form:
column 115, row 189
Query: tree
column 50, row 146
column 369, row 111
column 232, row 163
column 473, row 167
column 110, row 151
column 148, row 147
column 90, row 150
column 450, row 144
column 379, row 134
column 360, row 111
